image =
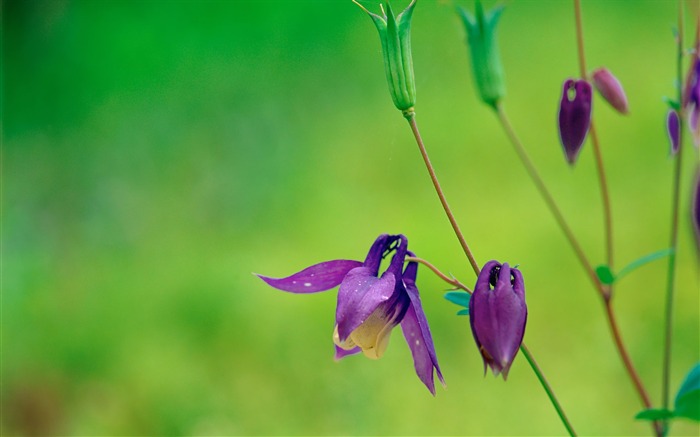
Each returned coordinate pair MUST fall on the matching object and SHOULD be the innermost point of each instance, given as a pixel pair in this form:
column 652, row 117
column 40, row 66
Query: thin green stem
column 548, row 389
column 607, row 210
column 548, row 198
column 526, row 352
column 411, row 117
column 671, row 271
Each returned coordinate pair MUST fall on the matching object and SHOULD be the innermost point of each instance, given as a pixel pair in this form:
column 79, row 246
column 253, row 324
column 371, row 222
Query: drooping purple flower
column 370, row 305
column 673, row 130
column 497, row 314
column 574, row 116
column 611, row 89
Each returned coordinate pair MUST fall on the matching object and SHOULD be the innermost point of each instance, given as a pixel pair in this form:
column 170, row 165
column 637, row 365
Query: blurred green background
column 155, row 153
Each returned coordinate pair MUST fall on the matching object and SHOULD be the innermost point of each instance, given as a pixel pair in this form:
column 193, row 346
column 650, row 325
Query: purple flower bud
column 574, row 116
column 497, row 314
column 673, row 129
column 611, row 89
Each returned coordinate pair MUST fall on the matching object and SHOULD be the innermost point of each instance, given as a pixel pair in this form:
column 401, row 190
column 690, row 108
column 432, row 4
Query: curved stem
column 450, row 280
column 671, row 270
column 636, row 380
column 414, row 127
column 607, row 210
column 526, row 352
column 549, row 199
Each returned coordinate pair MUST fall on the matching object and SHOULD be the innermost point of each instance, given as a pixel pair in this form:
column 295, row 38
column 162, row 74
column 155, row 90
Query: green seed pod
column 486, row 60
column 395, row 35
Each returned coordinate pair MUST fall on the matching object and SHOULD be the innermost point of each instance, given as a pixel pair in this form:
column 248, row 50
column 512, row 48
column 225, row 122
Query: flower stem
column 607, row 296
column 549, row 200
column 450, row 280
column 607, row 210
column 671, row 271
column 411, row 117
column 548, row 389
column 526, row 352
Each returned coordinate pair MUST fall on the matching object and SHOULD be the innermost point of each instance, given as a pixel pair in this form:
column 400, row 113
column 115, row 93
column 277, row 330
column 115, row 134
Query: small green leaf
column 654, row 414
column 460, row 298
column 687, row 403
column 464, row 312
column 672, row 103
column 644, row 260
column 605, row 274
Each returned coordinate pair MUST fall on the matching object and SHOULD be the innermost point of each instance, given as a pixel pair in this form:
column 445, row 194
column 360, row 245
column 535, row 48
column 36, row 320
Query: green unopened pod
column 395, row 35
column 486, row 59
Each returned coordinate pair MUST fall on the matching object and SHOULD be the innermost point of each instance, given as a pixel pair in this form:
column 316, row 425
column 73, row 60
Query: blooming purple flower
column 497, row 314
column 673, row 130
column 611, row 89
column 574, row 116
column 371, row 305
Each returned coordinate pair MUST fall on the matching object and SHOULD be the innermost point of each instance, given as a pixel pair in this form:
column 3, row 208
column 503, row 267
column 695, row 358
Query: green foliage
column 605, row 274
column 607, row 277
column 686, row 404
column 460, row 298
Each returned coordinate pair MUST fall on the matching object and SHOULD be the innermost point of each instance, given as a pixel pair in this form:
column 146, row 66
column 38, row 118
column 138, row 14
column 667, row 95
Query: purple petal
column 417, row 332
column 376, row 252
column 574, row 117
column 673, row 130
column 360, row 294
column 498, row 318
column 318, row 277
column 341, row 353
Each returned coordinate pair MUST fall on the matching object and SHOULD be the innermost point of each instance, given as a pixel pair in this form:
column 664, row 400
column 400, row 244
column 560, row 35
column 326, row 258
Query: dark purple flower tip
column 673, row 130
column 498, row 314
column 611, row 89
column 574, row 116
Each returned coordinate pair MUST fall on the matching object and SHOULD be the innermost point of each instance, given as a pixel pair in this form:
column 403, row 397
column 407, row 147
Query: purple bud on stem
column 611, row 89
column 673, row 129
column 574, row 116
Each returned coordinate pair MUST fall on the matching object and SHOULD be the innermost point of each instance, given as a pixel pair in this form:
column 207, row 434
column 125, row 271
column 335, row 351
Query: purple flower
column 497, row 314
column 574, row 116
column 691, row 99
column 611, row 89
column 371, row 305
column 673, row 130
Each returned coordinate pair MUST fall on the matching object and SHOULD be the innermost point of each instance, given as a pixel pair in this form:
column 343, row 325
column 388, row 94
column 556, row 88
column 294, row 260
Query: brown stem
column 452, row 281
column 414, row 127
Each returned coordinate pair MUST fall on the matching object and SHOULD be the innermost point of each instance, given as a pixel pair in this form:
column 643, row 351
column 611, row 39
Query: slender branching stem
column 671, row 270
column 607, row 210
column 643, row 395
column 449, row 279
column 414, row 127
column 525, row 351
column 639, row 386
column 548, row 198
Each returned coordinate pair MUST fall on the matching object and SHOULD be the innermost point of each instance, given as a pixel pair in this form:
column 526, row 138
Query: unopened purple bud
column 574, row 116
column 673, row 129
column 611, row 89
column 497, row 314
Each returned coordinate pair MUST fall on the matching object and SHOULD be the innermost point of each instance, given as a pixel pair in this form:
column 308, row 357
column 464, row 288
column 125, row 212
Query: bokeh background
column 155, row 153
